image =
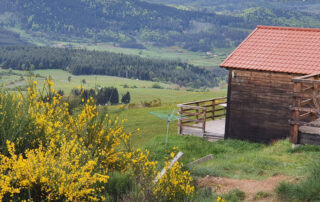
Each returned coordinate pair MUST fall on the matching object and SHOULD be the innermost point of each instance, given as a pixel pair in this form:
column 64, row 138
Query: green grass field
column 172, row 53
column 232, row 158
column 139, row 90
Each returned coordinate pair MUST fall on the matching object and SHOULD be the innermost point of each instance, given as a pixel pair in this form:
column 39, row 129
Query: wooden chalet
column 273, row 90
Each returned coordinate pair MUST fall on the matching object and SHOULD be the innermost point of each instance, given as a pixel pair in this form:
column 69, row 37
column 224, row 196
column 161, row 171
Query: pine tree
column 125, row 98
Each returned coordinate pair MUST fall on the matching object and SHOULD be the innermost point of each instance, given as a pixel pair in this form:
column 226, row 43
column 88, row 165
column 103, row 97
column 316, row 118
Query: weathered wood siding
column 259, row 103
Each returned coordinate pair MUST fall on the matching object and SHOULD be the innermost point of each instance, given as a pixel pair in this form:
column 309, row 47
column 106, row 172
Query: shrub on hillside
column 49, row 155
column 126, row 98
column 156, row 85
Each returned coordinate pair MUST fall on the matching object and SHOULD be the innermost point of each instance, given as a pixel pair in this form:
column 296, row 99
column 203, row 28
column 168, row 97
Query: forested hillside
column 137, row 24
column 239, row 5
column 8, row 38
column 104, row 63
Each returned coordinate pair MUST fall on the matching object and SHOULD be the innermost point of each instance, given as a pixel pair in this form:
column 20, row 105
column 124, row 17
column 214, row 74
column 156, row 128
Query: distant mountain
column 240, row 5
column 136, row 24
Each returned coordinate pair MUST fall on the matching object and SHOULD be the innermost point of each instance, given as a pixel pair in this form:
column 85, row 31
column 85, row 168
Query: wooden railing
column 306, row 105
column 193, row 113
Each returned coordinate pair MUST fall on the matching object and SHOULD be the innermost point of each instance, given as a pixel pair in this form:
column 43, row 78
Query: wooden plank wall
column 259, row 105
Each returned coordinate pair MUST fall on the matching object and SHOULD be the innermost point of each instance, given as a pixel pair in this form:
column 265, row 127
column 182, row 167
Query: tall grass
column 307, row 190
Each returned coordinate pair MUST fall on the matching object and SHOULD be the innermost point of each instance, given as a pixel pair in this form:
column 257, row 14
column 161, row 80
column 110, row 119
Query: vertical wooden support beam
column 315, row 99
column 228, row 112
column 294, row 131
column 213, row 108
column 179, row 121
column 197, row 111
column 204, row 113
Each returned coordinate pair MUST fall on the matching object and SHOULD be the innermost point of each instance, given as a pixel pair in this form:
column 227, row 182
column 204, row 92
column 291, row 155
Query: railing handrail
column 200, row 101
column 191, row 107
column 195, row 112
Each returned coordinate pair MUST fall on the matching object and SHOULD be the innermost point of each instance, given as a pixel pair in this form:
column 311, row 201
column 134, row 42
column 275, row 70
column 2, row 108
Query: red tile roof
column 278, row 49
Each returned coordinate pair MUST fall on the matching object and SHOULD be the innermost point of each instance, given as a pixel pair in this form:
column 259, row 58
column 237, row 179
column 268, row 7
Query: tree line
column 84, row 62
column 130, row 23
column 102, row 96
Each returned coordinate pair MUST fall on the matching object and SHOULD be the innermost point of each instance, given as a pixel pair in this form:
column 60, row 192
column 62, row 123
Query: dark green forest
column 135, row 24
column 83, row 62
column 239, row 5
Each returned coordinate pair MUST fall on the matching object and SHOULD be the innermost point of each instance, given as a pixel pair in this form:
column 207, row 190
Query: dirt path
column 250, row 187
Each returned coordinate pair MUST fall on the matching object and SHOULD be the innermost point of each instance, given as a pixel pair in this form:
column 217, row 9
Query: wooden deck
column 214, row 130
column 205, row 118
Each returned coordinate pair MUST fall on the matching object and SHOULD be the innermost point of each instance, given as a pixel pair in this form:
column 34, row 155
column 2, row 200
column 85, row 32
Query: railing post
column 213, row 108
column 197, row 111
column 180, row 121
column 204, row 112
column 294, row 131
column 315, row 100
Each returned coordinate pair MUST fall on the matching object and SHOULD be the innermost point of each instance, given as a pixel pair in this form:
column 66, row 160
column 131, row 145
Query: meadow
column 232, row 158
column 139, row 90
column 172, row 53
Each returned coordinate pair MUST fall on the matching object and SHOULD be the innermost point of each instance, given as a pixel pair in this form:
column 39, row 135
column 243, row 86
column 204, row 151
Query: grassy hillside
column 83, row 62
column 127, row 23
column 232, row 158
column 139, row 25
column 139, row 90
column 232, row 6
column 9, row 38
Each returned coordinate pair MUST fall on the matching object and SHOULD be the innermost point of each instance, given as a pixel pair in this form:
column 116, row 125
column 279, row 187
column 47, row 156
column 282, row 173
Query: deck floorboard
column 214, row 130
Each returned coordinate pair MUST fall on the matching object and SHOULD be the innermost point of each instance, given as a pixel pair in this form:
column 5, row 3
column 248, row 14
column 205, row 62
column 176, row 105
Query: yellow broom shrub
column 68, row 157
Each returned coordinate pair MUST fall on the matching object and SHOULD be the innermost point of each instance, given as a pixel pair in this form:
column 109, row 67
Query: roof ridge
column 288, row 28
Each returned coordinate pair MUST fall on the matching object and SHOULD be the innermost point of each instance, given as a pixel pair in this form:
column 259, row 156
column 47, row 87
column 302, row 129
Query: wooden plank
column 189, row 106
column 305, row 95
column 305, row 115
column 204, row 121
column 301, row 123
column 207, row 106
column 306, row 81
column 221, row 115
column 306, row 76
column 213, row 109
column 185, row 122
column 200, row 101
column 191, row 120
column 218, row 110
column 184, row 113
column 307, row 88
column 313, row 139
column 304, row 109
column 294, row 131
column 305, row 102
column 197, row 111
column 201, row 160
column 163, row 171
column 192, row 126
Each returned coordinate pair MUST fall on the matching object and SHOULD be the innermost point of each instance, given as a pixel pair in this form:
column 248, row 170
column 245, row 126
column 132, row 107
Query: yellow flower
column 35, row 83
column 50, row 83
